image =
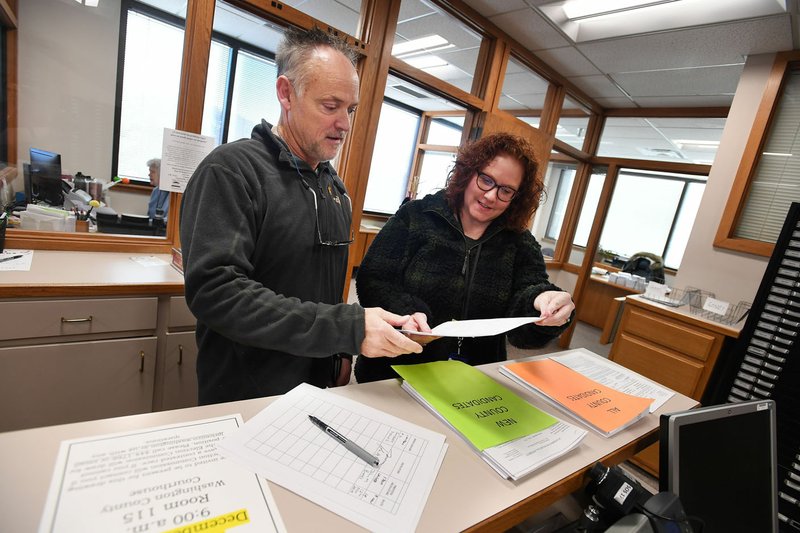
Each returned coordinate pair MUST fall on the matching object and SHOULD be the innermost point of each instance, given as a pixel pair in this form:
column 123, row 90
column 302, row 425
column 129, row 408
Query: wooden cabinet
column 75, row 359
column 179, row 386
column 178, row 365
column 72, row 382
column 669, row 346
column 597, row 302
column 70, row 360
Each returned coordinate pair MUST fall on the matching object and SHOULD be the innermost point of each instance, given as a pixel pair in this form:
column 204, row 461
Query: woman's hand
column 555, row 308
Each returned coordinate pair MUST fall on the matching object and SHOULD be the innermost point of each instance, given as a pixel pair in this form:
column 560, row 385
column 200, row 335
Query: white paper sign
column 181, row 152
column 718, row 307
column 167, row 479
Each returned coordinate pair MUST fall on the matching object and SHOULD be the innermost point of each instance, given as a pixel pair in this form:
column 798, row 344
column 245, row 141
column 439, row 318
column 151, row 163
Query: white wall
column 67, row 81
column 732, row 276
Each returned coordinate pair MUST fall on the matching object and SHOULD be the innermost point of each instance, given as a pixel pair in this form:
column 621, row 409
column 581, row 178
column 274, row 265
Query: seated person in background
column 158, row 206
column 466, row 253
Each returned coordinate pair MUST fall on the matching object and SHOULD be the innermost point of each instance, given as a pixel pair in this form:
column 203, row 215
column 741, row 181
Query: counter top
column 467, row 496
column 64, row 273
column 685, row 313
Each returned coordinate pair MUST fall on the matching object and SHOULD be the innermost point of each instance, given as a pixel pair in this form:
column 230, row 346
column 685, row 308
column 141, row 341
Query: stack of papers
column 603, row 408
column 511, row 435
column 282, row 444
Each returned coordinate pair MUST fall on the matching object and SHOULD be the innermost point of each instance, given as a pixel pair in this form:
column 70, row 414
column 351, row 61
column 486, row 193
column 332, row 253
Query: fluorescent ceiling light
column 777, row 154
column 578, row 9
column 582, row 24
column 426, row 61
column 697, row 145
column 91, row 3
column 426, row 51
column 423, row 43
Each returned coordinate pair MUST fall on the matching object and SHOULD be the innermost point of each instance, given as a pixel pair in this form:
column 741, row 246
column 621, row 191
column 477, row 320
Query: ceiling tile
column 705, row 81
column 596, row 86
column 530, row 29
column 615, row 103
column 489, row 8
column 411, row 9
column 341, row 15
column 685, row 101
column 568, row 61
column 709, row 45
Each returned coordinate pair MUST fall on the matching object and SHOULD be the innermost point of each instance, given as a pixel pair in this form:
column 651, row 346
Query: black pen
column 351, row 446
column 9, row 258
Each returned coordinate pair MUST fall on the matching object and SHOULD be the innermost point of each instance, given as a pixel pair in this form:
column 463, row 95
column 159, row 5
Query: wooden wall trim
column 11, row 89
column 669, row 112
column 740, row 188
column 416, row 76
column 572, row 214
column 379, row 22
column 281, row 14
column 194, row 72
column 8, row 14
column 591, row 247
column 647, row 164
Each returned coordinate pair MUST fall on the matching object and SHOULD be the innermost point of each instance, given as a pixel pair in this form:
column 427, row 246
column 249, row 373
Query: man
column 158, row 205
column 265, row 228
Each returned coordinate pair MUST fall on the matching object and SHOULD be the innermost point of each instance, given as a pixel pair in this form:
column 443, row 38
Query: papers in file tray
column 511, row 435
column 604, row 409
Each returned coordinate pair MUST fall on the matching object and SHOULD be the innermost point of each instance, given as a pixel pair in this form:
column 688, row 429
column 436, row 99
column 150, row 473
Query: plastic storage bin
column 45, row 222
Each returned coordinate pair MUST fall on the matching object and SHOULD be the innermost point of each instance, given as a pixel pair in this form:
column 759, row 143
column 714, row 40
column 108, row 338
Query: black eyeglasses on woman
column 486, row 183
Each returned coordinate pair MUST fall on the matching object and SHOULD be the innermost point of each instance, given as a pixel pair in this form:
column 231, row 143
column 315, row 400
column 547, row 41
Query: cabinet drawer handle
column 141, row 361
column 73, row 320
column 180, row 354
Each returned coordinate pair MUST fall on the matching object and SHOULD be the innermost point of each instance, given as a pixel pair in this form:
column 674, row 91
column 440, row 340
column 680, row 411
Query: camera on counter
column 619, row 504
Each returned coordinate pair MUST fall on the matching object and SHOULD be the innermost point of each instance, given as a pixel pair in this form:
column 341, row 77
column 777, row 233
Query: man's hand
column 554, row 307
column 381, row 339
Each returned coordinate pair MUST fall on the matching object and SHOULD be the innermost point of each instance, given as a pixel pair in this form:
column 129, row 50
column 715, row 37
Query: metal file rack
column 765, row 362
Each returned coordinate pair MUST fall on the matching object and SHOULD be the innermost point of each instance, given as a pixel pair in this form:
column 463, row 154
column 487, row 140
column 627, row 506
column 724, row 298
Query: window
column 681, row 140
column 644, row 213
column 549, row 217
column 523, row 93
column 573, row 123
column 391, row 158
column 150, row 83
column 590, row 203
column 253, row 97
column 591, row 200
column 418, row 136
column 237, row 88
column 649, row 212
column 430, row 39
column 768, row 178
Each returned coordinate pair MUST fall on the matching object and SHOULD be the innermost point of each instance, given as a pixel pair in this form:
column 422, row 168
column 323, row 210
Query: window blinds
column 776, row 181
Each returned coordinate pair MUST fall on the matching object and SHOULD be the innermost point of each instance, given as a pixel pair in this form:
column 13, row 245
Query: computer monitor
column 45, row 177
column 721, row 461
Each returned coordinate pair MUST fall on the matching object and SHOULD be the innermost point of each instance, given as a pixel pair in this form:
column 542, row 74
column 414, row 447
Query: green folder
column 483, row 411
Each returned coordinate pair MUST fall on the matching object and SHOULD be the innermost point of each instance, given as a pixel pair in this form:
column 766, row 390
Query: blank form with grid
column 283, row 445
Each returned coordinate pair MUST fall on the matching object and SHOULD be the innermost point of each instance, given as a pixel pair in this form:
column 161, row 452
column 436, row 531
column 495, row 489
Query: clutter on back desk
column 628, row 280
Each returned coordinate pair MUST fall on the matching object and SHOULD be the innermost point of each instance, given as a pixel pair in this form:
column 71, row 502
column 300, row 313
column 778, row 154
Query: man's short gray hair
column 296, row 49
column 155, row 162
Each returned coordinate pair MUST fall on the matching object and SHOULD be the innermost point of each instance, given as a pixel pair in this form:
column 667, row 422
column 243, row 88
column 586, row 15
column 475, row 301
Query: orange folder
column 605, row 409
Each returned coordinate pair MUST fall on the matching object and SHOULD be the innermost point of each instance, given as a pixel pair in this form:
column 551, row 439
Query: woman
column 466, row 253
